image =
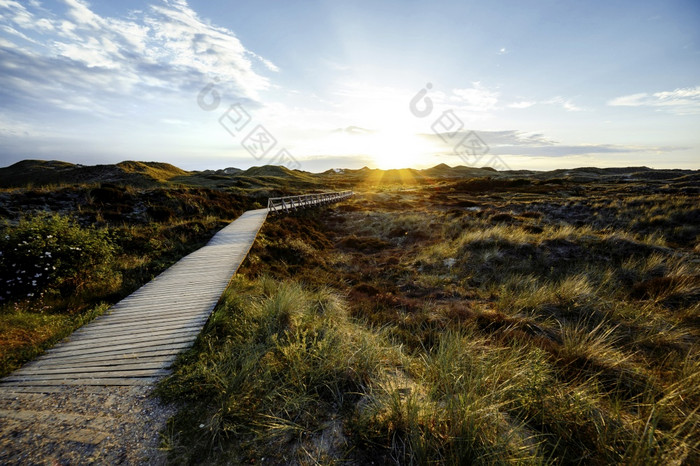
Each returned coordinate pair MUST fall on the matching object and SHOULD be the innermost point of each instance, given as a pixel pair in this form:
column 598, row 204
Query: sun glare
column 391, row 138
column 398, row 149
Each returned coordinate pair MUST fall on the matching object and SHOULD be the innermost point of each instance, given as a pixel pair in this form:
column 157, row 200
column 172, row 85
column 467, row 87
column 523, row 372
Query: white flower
column 49, row 237
column 33, row 282
column 37, row 275
column 30, row 295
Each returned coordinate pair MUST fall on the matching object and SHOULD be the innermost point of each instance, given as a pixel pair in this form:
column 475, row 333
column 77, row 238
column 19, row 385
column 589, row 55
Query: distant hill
column 52, row 172
column 445, row 171
column 281, row 180
column 273, row 170
column 150, row 174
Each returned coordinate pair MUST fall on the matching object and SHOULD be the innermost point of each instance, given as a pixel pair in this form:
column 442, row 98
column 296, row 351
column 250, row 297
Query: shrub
column 51, row 253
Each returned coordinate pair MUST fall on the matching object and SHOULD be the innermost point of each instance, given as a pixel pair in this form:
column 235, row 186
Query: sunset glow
column 542, row 86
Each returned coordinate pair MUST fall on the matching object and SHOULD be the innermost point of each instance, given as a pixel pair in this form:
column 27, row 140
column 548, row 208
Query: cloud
column 582, row 149
column 354, row 130
column 79, row 60
column 632, row 100
column 497, row 138
column 566, row 104
column 519, row 143
column 522, row 104
column 680, row 101
column 476, row 98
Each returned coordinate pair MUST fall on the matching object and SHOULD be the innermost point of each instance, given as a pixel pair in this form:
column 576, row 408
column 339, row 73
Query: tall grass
column 276, row 365
column 505, row 332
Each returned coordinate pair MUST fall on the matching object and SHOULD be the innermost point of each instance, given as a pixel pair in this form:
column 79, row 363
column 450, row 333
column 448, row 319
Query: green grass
column 434, row 318
column 532, row 330
column 272, row 375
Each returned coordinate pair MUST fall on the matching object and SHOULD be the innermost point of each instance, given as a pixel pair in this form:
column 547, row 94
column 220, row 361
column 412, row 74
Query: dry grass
column 532, row 328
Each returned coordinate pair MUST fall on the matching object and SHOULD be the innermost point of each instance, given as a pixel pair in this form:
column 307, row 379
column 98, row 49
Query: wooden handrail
column 287, row 203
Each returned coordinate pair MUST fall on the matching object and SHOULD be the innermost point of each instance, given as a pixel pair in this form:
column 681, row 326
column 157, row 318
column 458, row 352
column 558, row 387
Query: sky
column 320, row 84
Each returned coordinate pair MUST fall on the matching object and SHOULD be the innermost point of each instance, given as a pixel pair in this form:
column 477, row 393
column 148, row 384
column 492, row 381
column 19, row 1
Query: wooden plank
column 160, row 299
column 165, row 309
column 156, row 330
column 141, row 323
column 101, row 368
column 127, row 347
column 174, row 347
column 96, row 345
column 124, row 381
column 164, row 361
column 148, row 320
column 138, row 327
column 170, row 351
column 87, row 375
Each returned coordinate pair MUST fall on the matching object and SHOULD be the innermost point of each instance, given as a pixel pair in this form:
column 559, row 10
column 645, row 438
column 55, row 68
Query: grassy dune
column 485, row 321
column 440, row 316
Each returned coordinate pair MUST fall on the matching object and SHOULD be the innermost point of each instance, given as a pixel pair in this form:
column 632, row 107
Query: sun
column 398, row 148
column 378, row 127
column 385, row 148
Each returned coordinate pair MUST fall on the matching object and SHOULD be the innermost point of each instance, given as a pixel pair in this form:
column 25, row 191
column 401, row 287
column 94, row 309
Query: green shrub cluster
column 52, row 254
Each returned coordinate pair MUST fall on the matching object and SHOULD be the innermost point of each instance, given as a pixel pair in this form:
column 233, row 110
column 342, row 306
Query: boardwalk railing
column 285, row 204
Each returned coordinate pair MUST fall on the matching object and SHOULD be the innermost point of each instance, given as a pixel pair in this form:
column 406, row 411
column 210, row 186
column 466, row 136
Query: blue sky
column 329, row 84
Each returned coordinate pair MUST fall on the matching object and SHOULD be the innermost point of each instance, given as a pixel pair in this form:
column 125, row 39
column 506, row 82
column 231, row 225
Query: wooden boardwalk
column 290, row 203
column 137, row 340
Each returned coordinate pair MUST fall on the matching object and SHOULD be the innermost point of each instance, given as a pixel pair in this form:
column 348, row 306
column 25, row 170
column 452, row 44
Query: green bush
column 52, row 254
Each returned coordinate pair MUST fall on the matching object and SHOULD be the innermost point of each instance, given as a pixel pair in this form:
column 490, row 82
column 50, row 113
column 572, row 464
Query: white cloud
column 268, row 64
column 522, row 104
column 680, row 101
column 477, row 98
column 566, row 104
column 632, row 100
column 79, row 56
column 81, row 13
column 519, row 143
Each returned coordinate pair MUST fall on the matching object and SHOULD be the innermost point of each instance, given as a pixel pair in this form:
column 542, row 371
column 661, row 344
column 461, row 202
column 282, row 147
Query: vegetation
column 518, row 321
column 274, row 370
column 440, row 316
column 99, row 243
column 52, row 254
